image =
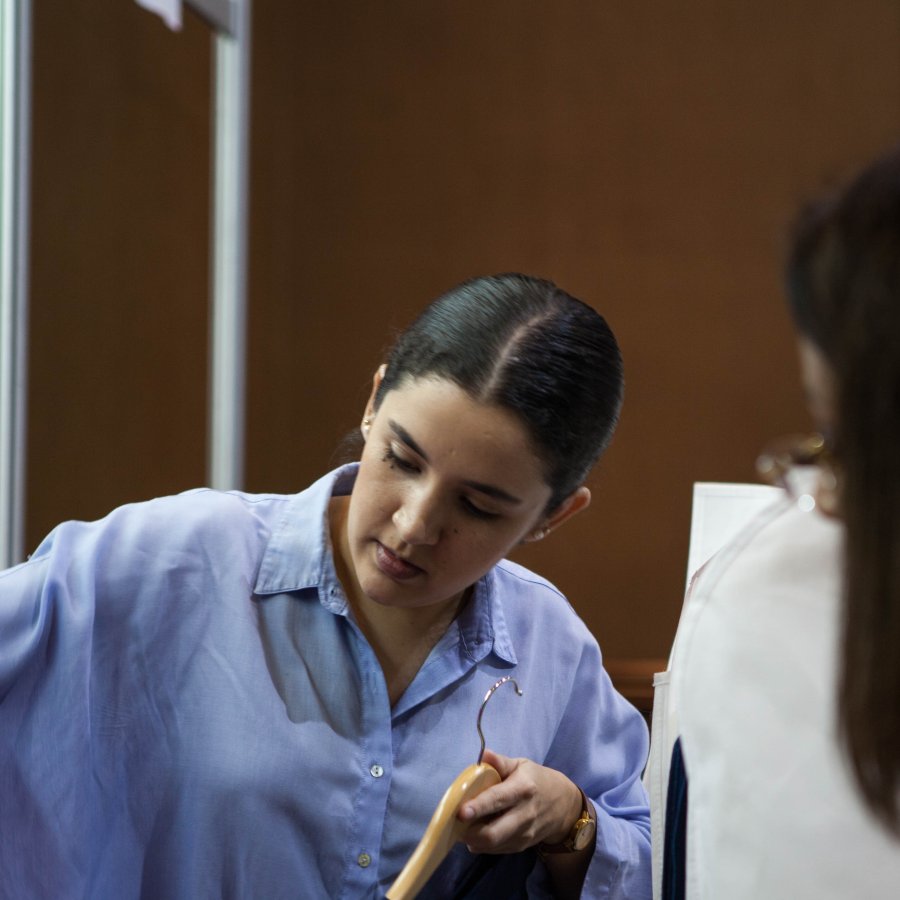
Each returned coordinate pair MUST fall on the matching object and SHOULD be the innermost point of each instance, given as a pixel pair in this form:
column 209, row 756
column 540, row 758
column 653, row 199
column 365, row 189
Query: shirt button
column 376, row 771
column 364, row 860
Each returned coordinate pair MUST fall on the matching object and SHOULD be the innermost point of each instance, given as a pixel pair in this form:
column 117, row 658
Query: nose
column 418, row 518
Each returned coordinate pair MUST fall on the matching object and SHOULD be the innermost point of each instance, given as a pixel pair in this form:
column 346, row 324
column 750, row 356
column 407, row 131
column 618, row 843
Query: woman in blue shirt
column 234, row 695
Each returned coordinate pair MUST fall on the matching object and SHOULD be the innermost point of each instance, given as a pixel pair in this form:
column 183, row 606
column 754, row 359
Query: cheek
column 371, row 499
column 473, row 549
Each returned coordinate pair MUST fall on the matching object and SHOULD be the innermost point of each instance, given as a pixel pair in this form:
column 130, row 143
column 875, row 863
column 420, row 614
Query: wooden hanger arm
column 443, row 831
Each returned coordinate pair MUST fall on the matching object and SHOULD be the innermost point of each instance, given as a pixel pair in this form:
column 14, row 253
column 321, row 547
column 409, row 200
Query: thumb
column 504, row 765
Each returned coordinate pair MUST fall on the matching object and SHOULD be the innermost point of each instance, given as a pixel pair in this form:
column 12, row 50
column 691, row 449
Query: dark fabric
column 493, row 877
column 675, row 838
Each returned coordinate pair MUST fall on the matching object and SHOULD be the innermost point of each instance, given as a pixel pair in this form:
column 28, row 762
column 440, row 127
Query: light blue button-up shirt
column 188, row 710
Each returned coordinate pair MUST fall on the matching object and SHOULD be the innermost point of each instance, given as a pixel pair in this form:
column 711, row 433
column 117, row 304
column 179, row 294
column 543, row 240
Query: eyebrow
column 488, row 489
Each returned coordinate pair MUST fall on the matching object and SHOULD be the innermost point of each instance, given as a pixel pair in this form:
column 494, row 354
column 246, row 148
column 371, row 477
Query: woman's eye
column 473, row 510
column 403, row 464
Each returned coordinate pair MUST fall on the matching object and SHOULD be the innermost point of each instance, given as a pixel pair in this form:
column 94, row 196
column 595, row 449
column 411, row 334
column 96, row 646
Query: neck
column 401, row 637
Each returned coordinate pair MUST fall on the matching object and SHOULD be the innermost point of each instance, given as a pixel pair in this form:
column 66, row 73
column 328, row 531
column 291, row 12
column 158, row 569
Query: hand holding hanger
column 445, row 827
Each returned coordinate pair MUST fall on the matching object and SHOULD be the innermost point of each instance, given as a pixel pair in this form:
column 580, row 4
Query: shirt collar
column 298, row 556
column 482, row 624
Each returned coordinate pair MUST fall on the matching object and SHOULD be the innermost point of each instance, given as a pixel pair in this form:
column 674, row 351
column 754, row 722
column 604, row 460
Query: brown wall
column 647, row 158
column 120, row 162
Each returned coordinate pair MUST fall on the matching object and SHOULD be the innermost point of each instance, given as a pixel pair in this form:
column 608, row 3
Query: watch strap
column 583, row 829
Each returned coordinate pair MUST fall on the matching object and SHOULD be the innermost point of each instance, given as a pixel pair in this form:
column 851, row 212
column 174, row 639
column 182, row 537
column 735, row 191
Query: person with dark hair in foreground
column 786, row 673
column 221, row 694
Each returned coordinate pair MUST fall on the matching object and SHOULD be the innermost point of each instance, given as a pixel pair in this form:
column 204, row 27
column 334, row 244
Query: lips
column 393, row 566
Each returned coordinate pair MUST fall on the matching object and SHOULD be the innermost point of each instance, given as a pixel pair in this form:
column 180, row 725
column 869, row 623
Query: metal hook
column 487, row 697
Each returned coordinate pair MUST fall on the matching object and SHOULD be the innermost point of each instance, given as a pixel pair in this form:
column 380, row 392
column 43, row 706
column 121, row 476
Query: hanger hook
column 487, row 697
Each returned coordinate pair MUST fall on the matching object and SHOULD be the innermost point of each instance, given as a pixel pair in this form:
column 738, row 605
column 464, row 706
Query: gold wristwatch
column 579, row 837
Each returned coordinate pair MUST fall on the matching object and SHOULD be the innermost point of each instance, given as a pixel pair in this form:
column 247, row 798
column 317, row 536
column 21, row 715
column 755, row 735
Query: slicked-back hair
column 523, row 344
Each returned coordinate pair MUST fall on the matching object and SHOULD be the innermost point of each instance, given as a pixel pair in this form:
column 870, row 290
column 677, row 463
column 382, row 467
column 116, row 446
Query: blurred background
column 649, row 158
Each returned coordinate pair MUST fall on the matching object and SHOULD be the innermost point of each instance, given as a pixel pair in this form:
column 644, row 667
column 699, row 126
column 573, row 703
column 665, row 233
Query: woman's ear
column 369, row 413
column 578, row 500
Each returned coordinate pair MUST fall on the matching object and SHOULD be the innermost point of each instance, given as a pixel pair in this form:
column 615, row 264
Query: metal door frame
column 230, row 22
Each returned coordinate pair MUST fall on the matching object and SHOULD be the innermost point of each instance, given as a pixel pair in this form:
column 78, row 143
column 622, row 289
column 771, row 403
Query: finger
column 490, row 832
column 488, row 803
column 482, row 805
column 504, row 765
column 508, row 832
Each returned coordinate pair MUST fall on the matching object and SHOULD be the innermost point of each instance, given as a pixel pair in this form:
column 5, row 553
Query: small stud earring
column 540, row 534
column 366, row 423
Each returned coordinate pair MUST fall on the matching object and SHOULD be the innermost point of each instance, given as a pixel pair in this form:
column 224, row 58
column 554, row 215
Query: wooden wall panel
column 119, row 259
column 646, row 157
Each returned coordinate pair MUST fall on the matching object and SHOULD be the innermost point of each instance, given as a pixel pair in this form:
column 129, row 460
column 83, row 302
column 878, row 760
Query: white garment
column 720, row 513
column 772, row 810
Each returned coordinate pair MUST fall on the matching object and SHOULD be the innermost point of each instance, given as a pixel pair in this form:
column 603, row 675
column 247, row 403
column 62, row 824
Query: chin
column 384, row 594
column 395, row 597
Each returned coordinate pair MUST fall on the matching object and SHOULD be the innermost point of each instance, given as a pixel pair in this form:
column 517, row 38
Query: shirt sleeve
column 34, row 605
column 78, row 623
column 602, row 745
column 46, row 616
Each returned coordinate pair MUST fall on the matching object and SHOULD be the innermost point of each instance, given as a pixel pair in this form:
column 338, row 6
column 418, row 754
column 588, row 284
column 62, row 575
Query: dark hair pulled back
column 844, row 290
column 523, row 344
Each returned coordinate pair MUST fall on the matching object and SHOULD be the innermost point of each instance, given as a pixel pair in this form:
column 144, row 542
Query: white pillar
column 15, row 132
column 228, row 316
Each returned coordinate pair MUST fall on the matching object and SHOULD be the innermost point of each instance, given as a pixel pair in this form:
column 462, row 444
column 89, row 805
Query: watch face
column 584, row 834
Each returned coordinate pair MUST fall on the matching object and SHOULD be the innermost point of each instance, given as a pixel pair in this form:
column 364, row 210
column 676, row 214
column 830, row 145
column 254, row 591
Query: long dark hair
column 843, row 279
column 523, row 344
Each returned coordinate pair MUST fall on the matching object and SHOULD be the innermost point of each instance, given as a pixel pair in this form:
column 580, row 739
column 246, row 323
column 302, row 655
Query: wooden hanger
column 445, row 828
column 443, row 831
